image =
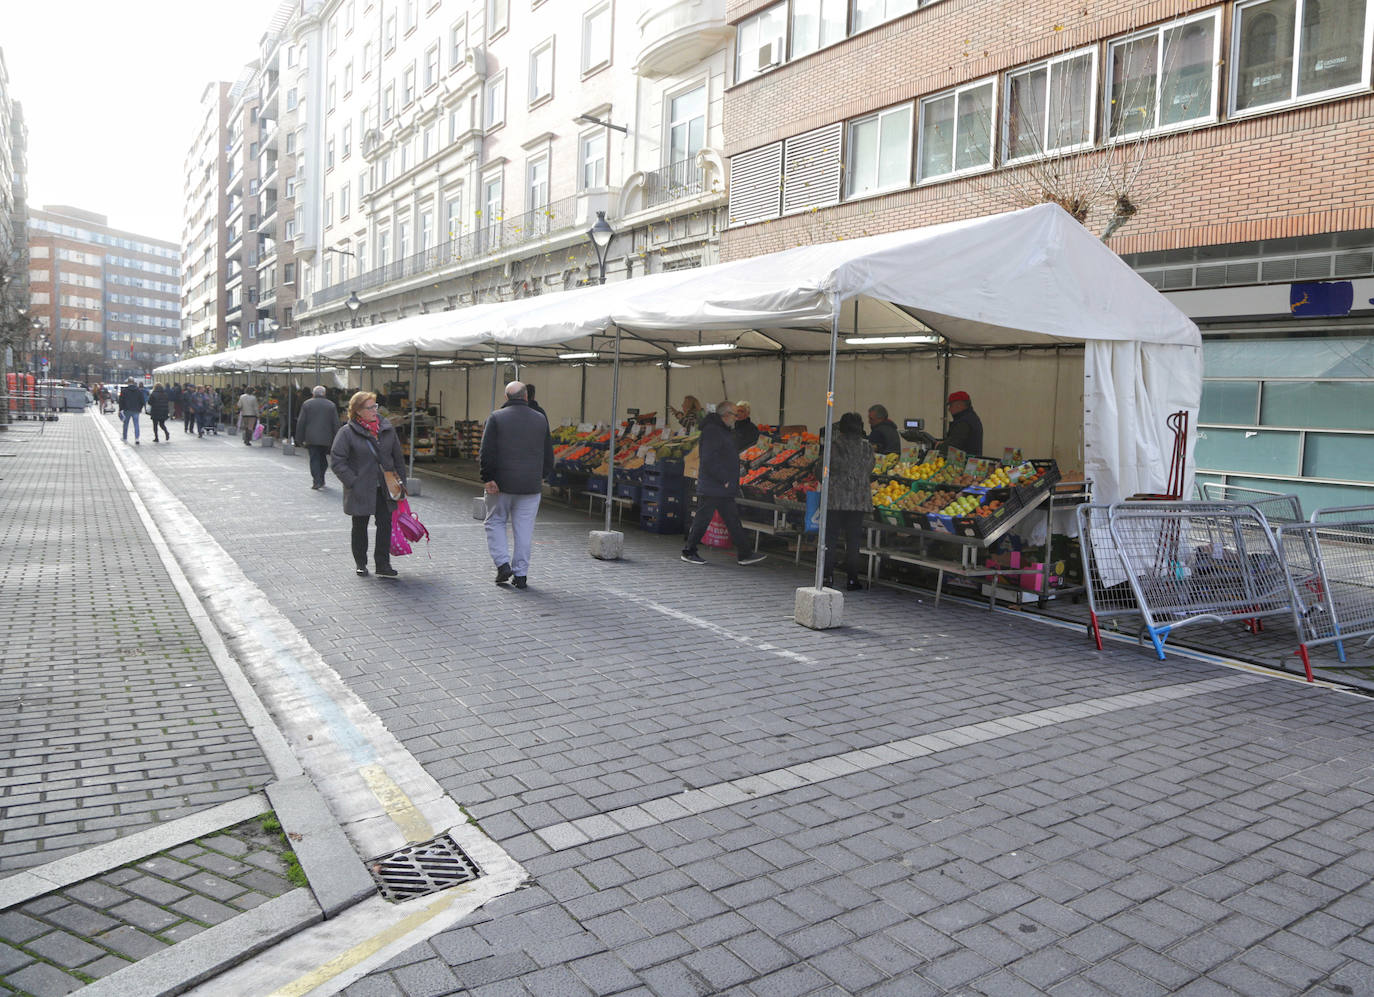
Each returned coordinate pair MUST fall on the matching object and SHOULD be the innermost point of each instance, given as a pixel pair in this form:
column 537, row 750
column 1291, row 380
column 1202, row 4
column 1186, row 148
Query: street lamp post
column 609, row 546
column 353, row 304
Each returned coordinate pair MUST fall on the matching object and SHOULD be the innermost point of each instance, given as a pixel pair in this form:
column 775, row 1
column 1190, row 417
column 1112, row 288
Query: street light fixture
column 353, row 304
column 601, row 235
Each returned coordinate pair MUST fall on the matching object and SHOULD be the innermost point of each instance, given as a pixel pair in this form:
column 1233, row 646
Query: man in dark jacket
column 515, row 458
column 130, row 405
column 529, row 397
column 965, row 428
column 882, row 432
column 316, row 426
column 717, row 486
column 746, row 433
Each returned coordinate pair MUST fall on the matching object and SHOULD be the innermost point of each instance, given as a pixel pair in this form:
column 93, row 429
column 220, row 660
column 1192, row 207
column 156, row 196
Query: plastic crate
column 627, row 490
column 892, row 517
column 597, row 484
column 671, row 468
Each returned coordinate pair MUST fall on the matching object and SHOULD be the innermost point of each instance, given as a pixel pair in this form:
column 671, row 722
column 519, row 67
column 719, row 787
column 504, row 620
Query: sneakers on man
column 748, row 559
column 692, row 557
column 520, row 581
column 388, row 572
column 503, row 574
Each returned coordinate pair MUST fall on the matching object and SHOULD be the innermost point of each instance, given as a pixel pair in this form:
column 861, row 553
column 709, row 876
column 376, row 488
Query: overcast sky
column 111, row 90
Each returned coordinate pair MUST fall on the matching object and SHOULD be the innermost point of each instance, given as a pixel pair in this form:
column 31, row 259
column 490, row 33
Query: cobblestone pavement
column 115, row 718
column 711, row 799
column 56, row 943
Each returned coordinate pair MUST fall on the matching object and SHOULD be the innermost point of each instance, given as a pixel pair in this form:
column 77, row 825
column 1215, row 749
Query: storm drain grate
column 418, row 870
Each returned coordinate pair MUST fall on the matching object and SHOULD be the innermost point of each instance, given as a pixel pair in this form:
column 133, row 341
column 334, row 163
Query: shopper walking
column 248, row 415
column 316, row 427
column 188, row 408
column 850, row 498
column 515, row 458
column 717, row 486
column 364, row 449
column 159, row 404
column 130, row 405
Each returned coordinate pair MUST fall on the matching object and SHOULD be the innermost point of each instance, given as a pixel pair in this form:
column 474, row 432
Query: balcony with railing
column 675, row 34
column 674, row 182
column 509, row 234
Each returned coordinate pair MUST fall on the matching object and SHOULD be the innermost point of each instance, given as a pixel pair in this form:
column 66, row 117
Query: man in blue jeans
column 130, row 405
column 515, row 459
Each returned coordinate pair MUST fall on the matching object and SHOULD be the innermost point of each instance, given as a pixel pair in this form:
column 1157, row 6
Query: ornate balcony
column 676, row 34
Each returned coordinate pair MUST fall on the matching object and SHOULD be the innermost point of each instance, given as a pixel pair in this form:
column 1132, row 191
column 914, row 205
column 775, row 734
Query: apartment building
column 1220, row 147
column 457, row 151
column 14, row 293
column 204, row 235
column 107, row 301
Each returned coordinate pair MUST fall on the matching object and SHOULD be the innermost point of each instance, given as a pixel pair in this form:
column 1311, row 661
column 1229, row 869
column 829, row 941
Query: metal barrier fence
column 37, row 405
column 1331, row 575
column 1104, row 576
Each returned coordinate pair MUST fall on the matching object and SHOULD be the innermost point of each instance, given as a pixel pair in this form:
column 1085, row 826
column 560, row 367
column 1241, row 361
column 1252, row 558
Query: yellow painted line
column 397, row 805
column 316, row 977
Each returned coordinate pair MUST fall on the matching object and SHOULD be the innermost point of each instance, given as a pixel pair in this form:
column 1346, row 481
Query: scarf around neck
column 373, row 429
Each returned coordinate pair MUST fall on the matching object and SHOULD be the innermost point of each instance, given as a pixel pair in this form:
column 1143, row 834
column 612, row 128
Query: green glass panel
column 1231, row 402
column 1314, row 358
column 1255, row 451
column 1339, row 455
column 1312, row 496
column 1318, row 404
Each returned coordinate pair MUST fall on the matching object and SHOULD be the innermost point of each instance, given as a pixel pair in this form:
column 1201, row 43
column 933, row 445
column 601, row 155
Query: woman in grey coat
column 851, row 497
column 364, row 447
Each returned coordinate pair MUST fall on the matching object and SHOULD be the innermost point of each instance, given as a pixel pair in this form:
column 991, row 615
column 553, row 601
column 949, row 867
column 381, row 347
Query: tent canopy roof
column 1029, row 277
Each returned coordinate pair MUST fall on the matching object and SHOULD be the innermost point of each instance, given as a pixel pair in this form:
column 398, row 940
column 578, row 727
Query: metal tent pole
column 615, row 403
column 825, row 456
column 414, row 384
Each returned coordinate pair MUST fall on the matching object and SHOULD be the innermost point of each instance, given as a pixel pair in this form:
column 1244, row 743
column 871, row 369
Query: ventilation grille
column 418, row 870
column 756, row 184
column 811, row 169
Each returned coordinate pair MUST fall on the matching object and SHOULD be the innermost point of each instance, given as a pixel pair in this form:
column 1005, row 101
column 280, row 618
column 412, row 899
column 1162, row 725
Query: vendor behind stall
column 965, row 428
column 746, row 433
column 882, row 432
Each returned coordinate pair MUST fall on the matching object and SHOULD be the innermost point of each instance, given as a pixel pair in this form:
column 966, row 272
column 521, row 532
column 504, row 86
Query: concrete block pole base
column 414, row 486
column 606, row 545
column 819, row 609
column 287, row 449
column 479, row 508
column 265, row 440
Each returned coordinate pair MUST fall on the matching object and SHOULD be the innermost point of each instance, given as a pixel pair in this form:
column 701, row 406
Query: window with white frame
column 1163, row 78
column 591, row 157
column 759, row 42
column 816, row 24
column 348, row 78
column 492, row 187
column 343, row 266
column 347, row 138
column 1049, row 106
column 1326, row 40
column 541, row 72
column 496, row 101
column 383, row 248
column 432, row 65
column 343, row 201
column 457, row 44
column 403, row 240
column 537, row 183
column 455, row 125
column 361, row 251
column 331, row 95
column 367, row 59
column 329, row 155
column 868, row 13
column 329, row 210
column 498, row 16
column 290, row 187
column 405, row 157
column 388, row 102
column 412, row 14
column 408, row 86
column 878, row 152
column 956, row 130
column 427, row 143
column 596, row 38
column 348, row 16
column 686, row 125
column 292, row 99
column 389, row 34
column 332, row 36
column 426, row 231
column 453, row 210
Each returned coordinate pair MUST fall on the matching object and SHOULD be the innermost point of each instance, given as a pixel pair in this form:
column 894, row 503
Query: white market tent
column 1033, row 277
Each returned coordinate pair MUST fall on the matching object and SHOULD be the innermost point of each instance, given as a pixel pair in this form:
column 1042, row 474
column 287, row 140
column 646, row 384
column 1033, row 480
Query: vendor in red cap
column 965, row 428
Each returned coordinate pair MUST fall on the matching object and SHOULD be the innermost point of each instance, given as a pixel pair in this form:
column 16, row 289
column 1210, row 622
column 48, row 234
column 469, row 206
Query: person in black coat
column 882, row 432
column 364, row 449
column 130, row 405
column 159, row 404
column 717, row 486
column 316, row 426
column 515, row 459
column 965, row 429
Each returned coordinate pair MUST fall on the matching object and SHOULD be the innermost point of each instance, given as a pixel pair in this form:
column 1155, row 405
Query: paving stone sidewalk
column 116, row 718
column 926, row 801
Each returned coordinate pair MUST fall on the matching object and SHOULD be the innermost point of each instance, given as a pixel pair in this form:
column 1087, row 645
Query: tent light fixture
column 707, row 348
column 442, row 363
column 498, row 359
column 592, row 355
column 390, row 366
column 878, row 340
